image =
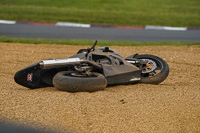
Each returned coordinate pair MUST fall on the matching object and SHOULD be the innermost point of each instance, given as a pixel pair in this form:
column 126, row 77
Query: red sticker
column 29, row 77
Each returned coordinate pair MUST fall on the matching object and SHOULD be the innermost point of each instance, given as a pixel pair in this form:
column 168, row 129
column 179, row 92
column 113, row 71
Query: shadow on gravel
column 11, row 128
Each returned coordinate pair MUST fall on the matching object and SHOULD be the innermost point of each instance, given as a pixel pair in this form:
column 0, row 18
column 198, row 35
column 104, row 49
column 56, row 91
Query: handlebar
column 93, row 46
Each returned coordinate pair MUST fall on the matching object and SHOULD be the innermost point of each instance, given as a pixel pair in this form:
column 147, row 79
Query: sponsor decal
column 135, row 79
column 29, row 77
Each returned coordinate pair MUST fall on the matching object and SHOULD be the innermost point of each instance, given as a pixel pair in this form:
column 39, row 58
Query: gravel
column 172, row 106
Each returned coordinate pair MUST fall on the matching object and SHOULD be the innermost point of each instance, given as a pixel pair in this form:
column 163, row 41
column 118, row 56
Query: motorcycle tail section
column 31, row 77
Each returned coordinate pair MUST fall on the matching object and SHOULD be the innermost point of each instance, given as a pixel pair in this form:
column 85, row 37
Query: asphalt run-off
column 100, row 32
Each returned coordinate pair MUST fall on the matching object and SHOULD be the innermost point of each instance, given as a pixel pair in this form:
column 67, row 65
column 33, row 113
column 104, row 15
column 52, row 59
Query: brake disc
column 149, row 67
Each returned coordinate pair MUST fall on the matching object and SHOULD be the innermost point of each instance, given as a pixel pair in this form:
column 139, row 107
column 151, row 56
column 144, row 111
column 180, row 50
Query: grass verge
column 112, row 12
column 90, row 42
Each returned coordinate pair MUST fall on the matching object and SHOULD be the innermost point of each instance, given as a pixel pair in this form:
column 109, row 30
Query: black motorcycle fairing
column 116, row 69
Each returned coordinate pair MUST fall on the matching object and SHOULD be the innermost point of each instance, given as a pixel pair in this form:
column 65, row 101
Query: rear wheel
column 75, row 82
column 154, row 70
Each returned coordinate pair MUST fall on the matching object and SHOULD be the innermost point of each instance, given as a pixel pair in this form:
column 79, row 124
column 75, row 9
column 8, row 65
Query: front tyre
column 154, row 70
column 73, row 82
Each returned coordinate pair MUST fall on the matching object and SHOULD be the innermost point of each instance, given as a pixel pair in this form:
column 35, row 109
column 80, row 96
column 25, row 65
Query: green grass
column 90, row 42
column 111, row 12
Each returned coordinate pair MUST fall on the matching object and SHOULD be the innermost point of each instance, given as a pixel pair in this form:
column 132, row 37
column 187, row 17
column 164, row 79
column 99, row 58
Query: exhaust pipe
column 55, row 63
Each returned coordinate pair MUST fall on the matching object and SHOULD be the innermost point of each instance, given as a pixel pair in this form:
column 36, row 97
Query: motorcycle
column 92, row 70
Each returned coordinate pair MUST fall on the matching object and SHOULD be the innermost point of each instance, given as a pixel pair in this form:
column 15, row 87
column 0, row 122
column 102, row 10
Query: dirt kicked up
column 172, row 106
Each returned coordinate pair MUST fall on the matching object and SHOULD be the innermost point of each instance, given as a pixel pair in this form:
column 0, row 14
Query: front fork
column 136, row 62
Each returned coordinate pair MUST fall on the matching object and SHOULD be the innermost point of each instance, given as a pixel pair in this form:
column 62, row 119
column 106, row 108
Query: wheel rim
column 150, row 68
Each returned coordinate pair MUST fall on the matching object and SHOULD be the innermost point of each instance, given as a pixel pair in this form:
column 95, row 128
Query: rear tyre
column 154, row 71
column 72, row 82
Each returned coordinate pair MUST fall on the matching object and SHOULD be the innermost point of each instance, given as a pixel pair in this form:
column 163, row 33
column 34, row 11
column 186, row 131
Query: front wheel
column 74, row 82
column 154, row 70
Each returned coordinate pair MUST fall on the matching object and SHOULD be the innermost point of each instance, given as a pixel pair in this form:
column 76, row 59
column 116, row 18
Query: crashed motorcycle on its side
column 93, row 69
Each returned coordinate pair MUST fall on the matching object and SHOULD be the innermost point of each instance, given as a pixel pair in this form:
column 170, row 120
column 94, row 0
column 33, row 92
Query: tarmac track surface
column 172, row 106
column 95, row 33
